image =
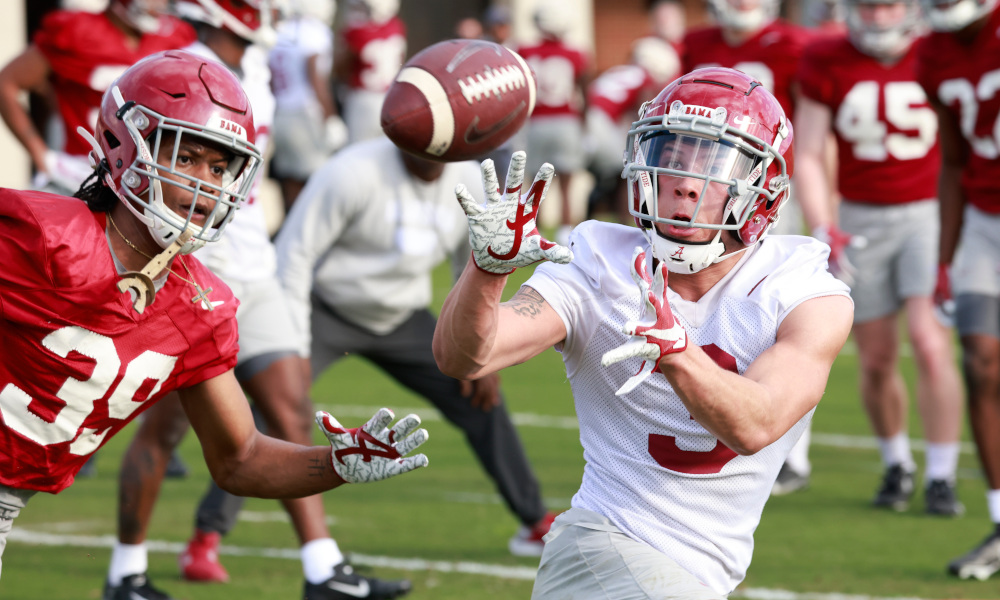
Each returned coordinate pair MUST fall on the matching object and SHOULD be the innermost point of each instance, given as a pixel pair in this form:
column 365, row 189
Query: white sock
column 318, row 559
column 798, row 458
column 896, row 451
column 127, row 559
column 942, row 460
column 993, row 503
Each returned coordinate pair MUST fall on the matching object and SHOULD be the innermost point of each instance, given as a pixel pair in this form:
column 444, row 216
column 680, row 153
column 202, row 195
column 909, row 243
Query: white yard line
column 38, row 538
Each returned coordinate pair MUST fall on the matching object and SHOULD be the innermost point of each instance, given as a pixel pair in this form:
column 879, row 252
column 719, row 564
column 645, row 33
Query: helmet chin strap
column 686, row 259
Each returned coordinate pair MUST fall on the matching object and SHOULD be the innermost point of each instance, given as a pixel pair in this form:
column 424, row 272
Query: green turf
column 825, row 540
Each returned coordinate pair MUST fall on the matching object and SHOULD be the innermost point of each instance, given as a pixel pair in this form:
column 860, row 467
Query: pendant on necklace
column 203, row 297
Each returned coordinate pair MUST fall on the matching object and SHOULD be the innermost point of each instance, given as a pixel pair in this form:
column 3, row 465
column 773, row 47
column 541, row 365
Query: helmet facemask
column 142, row 182
column 750, row 19
column 882, row 40
column 953, row 15
column 698, row 143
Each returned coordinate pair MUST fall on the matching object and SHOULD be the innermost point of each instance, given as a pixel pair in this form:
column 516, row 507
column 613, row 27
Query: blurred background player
column 862, row 87
column 668, row 21
column 555, row 130
column 750, row 37
column 356, row 255
column 76, row 55
column 958, row 67
column 268, row 367
column 369, row 52
column 613, row 100
column 307, row 126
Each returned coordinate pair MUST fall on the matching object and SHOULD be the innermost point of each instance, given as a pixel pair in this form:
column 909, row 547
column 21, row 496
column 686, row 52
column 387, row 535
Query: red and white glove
column 839, row 241
column 944, row 305
column 372, row 452
column 503, row 233
column 650, row 342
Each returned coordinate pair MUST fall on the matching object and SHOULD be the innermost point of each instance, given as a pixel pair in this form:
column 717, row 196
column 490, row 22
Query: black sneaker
column 134, row 587
column 346, row 585
column 940, row 499
column 788, row 481
column 980, row 563
column 897, row 487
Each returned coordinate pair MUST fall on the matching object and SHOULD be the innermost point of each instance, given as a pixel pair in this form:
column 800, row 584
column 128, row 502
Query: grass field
column 443, row 526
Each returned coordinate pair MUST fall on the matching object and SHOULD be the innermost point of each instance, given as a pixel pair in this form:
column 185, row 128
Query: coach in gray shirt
column 355, row 256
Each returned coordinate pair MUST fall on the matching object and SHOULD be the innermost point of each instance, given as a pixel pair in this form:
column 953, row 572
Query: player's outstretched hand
column 839, row 240
column 373, row 452
column 650, row 342
column 503, row 233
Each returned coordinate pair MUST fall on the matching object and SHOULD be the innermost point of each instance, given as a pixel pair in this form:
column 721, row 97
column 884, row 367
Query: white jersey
column 245, row 252
column 299, row 39
column 651, row 469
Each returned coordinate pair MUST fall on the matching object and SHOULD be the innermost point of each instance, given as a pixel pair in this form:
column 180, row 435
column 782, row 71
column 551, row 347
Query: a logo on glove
column 522, row 218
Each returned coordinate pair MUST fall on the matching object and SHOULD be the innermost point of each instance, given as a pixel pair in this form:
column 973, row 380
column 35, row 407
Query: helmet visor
column 726, row 170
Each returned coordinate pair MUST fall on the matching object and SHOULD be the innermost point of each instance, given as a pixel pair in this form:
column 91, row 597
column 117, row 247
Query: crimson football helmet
column 743, row 19
column 882, row 39
column 178, row 94
column 251, row 20
column 952, row 15
column 143, row 15
column 724, row 128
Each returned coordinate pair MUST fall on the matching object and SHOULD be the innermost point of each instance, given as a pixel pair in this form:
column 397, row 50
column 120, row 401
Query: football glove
column 372, row 452
column 944, row 305
column 650, row 342
column 838, row 240
column 503, row 233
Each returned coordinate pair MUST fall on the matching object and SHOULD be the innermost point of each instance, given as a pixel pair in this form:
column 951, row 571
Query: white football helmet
column 952, row 15
column 251, row 20
column 91, row 6
column 885, row 39
column 744, row 19
column 657, row 57
column 321, row 10
column 143, row 15
column 552, row 18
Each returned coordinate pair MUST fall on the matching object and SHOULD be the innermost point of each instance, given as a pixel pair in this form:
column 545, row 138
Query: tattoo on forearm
column 318, row 467
column 527, row 302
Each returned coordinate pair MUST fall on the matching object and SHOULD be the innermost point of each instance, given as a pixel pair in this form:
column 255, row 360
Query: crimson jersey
column 965, row 78
column 77, row 363
column 887, row 143
column 377, row 51
column 86, row 52
column 557, row 69
column 771, row 56
column 619, row 91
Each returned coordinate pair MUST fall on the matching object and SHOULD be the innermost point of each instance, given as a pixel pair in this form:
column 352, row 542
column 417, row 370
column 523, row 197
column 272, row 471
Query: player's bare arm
column 952, row 200
column 27, row 71
column 813, row 127
column 476, row 334
column 750, row 411
column 244, row 461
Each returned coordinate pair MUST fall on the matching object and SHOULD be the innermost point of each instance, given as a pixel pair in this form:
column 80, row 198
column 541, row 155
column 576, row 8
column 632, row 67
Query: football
column 458, row 100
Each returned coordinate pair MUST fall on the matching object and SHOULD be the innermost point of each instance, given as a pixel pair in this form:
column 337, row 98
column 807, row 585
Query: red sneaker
column 200, row 560
column 528, row 541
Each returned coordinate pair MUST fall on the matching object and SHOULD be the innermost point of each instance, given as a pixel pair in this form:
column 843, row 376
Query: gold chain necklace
column 202, row 295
